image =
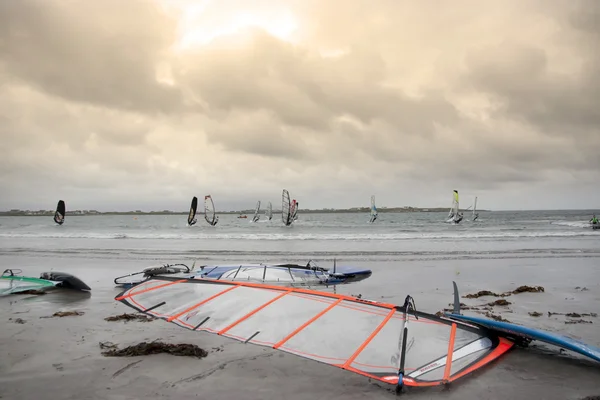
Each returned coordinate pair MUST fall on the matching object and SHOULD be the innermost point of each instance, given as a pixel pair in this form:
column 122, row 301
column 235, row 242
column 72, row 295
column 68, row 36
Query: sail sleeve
column 342, row 331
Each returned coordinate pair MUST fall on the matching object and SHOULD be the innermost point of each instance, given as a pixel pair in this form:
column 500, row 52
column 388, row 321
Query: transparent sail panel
column 279, row 319
column 335, row 336
column 379, row 356
column 226, row 309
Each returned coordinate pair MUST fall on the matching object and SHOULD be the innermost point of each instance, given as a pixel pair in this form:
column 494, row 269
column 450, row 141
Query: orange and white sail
column 357, row 335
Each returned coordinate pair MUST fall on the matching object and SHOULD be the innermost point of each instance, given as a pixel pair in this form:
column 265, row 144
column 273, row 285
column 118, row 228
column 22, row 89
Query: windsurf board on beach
column 520, row 333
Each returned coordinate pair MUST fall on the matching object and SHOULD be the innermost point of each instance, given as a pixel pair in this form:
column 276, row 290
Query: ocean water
column 345, row 236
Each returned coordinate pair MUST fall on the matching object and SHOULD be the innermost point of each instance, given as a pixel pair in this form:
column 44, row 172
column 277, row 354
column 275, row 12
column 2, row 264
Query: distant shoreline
column 75, row 213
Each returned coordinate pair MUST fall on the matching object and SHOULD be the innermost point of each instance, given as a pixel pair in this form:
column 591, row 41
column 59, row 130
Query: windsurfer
column 594, row 220
column 476, row 216
column 460, row 217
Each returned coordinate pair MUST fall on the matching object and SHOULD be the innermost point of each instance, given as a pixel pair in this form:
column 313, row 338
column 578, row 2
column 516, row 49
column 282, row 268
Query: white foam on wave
column 572, row 224
column 507, row 235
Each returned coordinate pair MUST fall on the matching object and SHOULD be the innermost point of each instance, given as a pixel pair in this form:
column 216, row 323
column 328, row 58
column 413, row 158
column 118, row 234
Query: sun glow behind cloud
column 199, row 23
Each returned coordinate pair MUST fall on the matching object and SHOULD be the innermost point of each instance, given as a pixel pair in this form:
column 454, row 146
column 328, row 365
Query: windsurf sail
column 294, row 210
column 256, row 211
column 192, row 215
column 475, row 213
column 357, row 335
column 269, row 211
column 286, row 215
column 209, row 211
column 373, row 210
column 282, row 274
column 296, row 206
column 59, row 215
column 454, row 215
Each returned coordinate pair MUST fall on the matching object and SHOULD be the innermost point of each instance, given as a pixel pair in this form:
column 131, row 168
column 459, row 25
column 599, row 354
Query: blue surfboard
column 523, row 332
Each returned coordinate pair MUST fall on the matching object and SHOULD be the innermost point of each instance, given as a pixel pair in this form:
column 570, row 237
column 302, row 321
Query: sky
column 114, row 105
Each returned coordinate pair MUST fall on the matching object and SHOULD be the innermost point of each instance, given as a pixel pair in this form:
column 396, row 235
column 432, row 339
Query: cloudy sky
column 119, row 105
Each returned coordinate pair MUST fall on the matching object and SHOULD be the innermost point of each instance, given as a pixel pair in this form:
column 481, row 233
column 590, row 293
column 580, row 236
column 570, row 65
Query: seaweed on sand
column 131, row 317
column 520, row 289
column 155, row 347
column 65, row 314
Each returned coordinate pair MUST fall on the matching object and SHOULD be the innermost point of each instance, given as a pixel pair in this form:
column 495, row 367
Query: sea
column 415, row 254
column 347, row 237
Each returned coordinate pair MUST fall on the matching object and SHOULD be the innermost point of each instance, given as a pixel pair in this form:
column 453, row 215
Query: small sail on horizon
column 295, row 210
column 256, row 211
column 209, row 211
column 373, row 210
column 269, row 211
column 286, row 215
column 454, row 215
column 475, row 213
column 59, row 215
column 191, row 220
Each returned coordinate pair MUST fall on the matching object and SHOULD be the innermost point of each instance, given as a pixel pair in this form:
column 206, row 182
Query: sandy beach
column 61, row 358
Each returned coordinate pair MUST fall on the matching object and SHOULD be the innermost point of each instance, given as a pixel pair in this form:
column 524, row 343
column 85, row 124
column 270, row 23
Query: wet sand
column 60, row 358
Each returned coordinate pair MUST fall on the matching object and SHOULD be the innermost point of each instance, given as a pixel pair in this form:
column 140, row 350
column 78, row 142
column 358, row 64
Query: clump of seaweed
column 573, row 314
column 130, row 317
column 65, row 314
column 155, row 347
column 499, row 302
column 578, row 321
column 535, row 314
column 520, row 289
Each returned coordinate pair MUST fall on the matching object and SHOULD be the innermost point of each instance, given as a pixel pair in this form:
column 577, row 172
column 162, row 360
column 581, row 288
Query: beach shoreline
column 62, row 356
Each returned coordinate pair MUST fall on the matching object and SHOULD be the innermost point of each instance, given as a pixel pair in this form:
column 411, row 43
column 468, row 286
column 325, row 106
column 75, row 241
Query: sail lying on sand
column 373, row 210
column 256, row 211
column 59, row 215
column 209, row 211
column 192, row 214
column 366, row 337
column 307, row 275
column 286, row 209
